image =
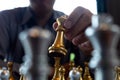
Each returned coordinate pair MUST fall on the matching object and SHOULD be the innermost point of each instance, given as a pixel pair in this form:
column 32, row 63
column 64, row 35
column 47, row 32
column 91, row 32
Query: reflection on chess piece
column 117, row 69
column 57, row 50
column 62, row 73
column 104, row 36
column 81, row 72
column 35, row 42
column 4, row 74
column 86, row 75
column 10, row 68
column 74, row 74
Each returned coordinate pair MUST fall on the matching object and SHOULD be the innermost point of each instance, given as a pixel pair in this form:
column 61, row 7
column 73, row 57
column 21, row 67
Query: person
column 41, row 13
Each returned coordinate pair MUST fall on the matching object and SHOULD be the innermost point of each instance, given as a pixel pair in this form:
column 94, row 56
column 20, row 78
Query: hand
column 75, row 26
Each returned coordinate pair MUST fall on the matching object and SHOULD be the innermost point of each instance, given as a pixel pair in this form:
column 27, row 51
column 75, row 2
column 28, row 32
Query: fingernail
column 68, row 24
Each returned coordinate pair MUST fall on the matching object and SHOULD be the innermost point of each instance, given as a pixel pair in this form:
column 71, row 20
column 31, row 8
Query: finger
column 73, row 17
column 80, row 26
column 81, row 38
column 86, row 47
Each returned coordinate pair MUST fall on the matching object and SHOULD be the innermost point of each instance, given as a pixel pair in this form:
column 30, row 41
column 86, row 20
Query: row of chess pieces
column 75, row 73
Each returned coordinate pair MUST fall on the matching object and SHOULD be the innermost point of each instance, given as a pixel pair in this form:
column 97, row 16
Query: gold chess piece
column 22, row 77
column 117, row 69
column 57, row 50
column 10, row 67
column 62, row 73
column 79, row 68
column 86, row 75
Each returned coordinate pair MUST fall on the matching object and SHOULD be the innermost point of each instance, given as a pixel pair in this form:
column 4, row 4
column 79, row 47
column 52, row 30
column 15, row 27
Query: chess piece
column 86, row 75
column 4, row 74
column 35, row 42
column 71, row 63
column 117, row 69
column 57, row 50
column 74, row 74
column 104, row 36
column 22, row 77
column 62, row 73
column 79, row 68
column 10, row 68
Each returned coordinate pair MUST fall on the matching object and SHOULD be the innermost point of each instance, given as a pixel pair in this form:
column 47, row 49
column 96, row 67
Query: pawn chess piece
column 62, row 73
column 104, row 36
column 86, row 75
column 117, row 69
column 81, row 72
column 10, row 69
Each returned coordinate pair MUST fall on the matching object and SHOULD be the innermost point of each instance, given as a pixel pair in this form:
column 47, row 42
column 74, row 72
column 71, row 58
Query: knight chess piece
column 104, row 35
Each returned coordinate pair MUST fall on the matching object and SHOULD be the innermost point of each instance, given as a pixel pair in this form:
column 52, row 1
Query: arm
column 4, row 36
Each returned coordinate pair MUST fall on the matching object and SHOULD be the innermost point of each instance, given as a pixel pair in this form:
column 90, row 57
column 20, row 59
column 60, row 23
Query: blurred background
column 65, row 6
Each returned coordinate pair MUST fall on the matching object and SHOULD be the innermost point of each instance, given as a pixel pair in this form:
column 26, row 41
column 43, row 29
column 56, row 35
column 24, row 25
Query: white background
column 66, row 6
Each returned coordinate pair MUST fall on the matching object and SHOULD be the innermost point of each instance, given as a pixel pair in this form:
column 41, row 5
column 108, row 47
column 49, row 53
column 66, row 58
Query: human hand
column 75, row 26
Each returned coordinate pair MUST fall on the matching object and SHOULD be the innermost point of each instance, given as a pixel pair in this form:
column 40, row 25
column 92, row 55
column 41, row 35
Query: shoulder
column 12, row 13
column 58, row 13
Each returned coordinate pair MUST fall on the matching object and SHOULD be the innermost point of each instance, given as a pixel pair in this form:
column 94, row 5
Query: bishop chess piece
column 35, row 42
column 104, row 35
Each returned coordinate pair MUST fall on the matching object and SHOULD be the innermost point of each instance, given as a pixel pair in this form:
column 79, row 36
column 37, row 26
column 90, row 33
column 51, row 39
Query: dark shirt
column 14, row 21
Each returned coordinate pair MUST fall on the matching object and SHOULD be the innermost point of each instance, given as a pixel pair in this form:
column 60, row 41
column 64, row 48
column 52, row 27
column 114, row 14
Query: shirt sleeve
column 4, row 36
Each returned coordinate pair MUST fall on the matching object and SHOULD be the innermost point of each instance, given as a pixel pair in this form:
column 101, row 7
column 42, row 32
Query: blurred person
column 41, row 13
